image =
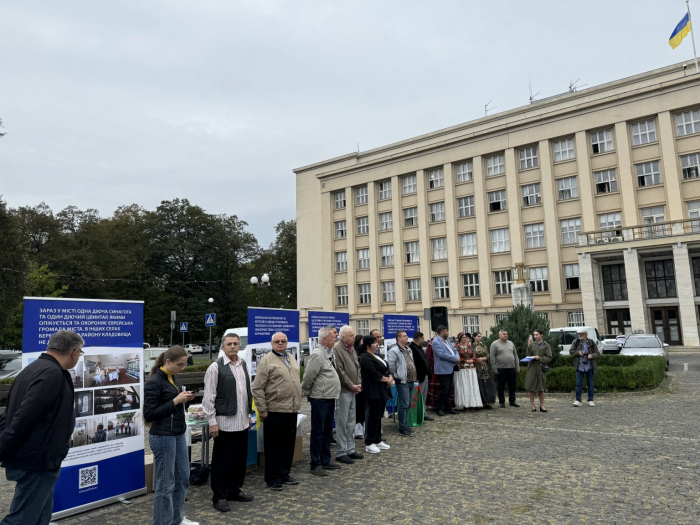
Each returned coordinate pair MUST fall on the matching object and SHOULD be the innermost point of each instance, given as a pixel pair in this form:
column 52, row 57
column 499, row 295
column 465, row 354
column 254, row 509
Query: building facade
column 595, row 192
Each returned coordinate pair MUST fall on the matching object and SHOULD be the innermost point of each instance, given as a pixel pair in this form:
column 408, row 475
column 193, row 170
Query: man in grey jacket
column 347, row 364
column 322, row 386
column 401, row 366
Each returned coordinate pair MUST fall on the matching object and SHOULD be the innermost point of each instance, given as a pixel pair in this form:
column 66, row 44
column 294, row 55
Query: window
column 362, row 327
column 364, row 294
column 470, row 285
column 435, row 178
column 466, row 206
column 575, row 318
column 694, row 213
column 441, row 285
column 614, row 282
column 470, row 324
column 567, row 188
column 531, row 194
column 412, row 254
column 410, row 184
column 386, row 255
column 602, row 141
column 605, row 181
column 539, row 280
column 501, row 280
column 500, row 240
column 467, row 244
column 385, row 221
column 341, row 261
column 661, row 280
column 688, row 123
column 534, row 235
column 643, row 132
column 648, row 173
column 465, row 171
column 499, row 318
column 564, row 150
column 571, row 277
column 437, row 212
column 495, row 165
column 654, row 215
column 413, row 290
column 339, row 197
column 696, row 275
column 611, row 223
column 691, row 166
column 388, row 292
column 528, row 158
column 385, row 190
column 543, row 315
column 341, row 293
column 439, row 247
column 361, row 195
column 497, row 200
column 340, row 229
column 362, row 225
column 363, row 259
column 570, row 228
column 410, row 217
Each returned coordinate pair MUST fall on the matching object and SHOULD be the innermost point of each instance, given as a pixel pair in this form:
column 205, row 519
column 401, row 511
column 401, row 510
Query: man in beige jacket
column 347, row 365
column 277, row 395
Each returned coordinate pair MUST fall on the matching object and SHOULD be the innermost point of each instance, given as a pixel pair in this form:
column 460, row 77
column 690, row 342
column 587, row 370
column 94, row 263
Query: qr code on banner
column 87, row 477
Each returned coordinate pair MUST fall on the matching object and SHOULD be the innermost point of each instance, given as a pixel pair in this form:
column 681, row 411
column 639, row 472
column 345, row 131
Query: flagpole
column 692, row 34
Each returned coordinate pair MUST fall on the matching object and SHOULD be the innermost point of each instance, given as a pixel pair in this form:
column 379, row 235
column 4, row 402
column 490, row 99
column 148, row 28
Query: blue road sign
column 210, row 320
column 183, row 327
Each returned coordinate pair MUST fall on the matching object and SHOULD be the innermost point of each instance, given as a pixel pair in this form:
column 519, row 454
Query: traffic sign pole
column 210, row 321
column 210, row 343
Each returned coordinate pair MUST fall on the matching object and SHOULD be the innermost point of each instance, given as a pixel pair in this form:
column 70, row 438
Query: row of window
column 539, row 281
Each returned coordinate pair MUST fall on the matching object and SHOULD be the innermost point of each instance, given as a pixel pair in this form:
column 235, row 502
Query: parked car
column 569, row 334
column 645, row 344
column 10, row 365
column 305, row 351
column 610, row 344
column 195, row 349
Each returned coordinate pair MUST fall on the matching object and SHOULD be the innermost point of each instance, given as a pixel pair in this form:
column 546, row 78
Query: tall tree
column 14, row 263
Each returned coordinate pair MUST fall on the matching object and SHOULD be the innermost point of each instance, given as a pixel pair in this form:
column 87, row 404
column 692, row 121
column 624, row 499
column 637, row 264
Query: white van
column 242, row 333
column 149, row 358
column 569, row 334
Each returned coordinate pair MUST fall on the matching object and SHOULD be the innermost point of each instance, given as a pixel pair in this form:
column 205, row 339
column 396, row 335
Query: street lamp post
column 211, row 301
column 264, row 281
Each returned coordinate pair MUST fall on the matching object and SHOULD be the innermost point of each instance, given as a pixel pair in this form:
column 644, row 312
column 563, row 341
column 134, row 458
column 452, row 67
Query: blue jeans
column 172, row 465
column 33, row 500
column 579, row 384
column 322, row 411
column 404, row 390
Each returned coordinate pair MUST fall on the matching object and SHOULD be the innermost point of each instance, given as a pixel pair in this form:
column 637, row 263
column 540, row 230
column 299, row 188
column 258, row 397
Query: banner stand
column 97, row 504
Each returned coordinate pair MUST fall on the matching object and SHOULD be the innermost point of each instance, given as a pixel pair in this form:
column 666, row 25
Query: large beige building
column 596, row 192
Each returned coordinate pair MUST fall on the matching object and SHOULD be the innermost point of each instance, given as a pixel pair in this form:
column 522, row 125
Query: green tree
column 520, row 323
column 279, row 261
column 14, row 264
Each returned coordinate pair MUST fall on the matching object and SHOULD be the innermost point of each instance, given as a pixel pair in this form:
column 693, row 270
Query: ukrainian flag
column 681, row 31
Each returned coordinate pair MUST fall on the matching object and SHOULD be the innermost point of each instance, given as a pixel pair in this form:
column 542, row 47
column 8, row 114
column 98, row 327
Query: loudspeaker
column 438, row 316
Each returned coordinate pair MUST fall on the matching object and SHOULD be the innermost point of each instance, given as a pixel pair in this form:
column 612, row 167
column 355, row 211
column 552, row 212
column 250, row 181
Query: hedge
column 615, row 373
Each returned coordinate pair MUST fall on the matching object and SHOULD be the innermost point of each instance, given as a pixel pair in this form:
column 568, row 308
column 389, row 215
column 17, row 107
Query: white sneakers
column 382, row 446
column 372, row 449
column 591, row 404
column 185, row 521
column 577, row 403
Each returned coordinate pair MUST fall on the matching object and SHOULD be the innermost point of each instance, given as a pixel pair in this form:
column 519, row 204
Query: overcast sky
column 113, row 103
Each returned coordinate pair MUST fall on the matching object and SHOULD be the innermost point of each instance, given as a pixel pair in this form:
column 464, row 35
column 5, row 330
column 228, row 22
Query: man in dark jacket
column 35, row 429
column 422, row 367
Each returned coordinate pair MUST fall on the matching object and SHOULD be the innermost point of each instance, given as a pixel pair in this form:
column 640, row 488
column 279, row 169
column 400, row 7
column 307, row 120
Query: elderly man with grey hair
column 347, row 364
column 322, row 386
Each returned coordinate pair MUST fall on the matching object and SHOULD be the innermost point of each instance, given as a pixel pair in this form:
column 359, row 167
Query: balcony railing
column 657, row 230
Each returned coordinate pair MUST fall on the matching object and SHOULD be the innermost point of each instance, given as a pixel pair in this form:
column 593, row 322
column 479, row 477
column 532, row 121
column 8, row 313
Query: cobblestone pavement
column 633, row 459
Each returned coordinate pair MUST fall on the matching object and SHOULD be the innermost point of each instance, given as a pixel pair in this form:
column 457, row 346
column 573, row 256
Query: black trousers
column 446, row 385
column 322, row 411
column 279, row 436
column 374, row 410
column 506, row 375
column 229, row 463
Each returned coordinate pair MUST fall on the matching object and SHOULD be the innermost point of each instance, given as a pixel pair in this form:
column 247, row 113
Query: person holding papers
column 535, row 377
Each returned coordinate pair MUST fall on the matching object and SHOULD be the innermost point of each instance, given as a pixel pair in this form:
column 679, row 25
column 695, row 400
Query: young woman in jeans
column 164, row 409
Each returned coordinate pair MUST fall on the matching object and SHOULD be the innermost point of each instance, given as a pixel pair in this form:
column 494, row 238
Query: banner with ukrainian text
column 393, row 323
column 319, row 319
column 262, row 324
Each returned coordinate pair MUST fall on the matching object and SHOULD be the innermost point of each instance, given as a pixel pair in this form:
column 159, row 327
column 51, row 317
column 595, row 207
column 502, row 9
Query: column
column 591, row 291
column 669, row 172
column 551, row 227
column 424, row 241
column 513, row 196
column 483, row 239
column 397, row 229
column 626, row 179
column 635, row 287
column 686, row 301
column 585, row 183
column 328, row 299
column 352, row 254
column 452, row 237
column 372, row 219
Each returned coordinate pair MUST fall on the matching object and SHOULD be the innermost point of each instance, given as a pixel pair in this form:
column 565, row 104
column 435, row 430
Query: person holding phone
column 164, row 408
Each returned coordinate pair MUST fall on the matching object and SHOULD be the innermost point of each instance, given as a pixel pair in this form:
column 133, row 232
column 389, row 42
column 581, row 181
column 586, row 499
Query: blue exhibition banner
column 392, row 323
column 318, row 320
column 262, row 324
column 105, row 460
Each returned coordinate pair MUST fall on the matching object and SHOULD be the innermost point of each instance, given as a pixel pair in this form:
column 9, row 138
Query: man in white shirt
column 227, row 406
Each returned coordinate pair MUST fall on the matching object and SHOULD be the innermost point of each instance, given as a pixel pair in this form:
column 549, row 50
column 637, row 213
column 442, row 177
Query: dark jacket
column 35, row 429
column 421, row 362
column 592, row 349
column 372, row 372
column 166, row 418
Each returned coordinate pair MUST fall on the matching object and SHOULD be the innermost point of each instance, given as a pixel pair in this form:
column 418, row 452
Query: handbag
column 545, row 368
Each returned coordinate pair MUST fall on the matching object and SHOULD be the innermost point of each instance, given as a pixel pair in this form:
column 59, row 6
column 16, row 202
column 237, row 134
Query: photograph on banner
column 313, row 343
column 123, row 426
column 88, row 431
column 262, row 324
column 394, row 323
column 112, row 369
column 116, row 399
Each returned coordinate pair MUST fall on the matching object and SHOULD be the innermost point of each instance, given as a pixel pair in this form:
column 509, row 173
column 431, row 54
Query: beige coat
column 347, row 366
column 277, row 388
